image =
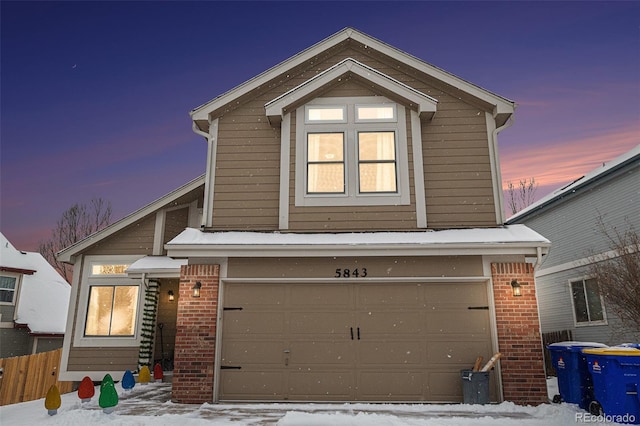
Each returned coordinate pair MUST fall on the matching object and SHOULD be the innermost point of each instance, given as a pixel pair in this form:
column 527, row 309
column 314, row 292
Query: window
column 352, row 151
column 8, row 287
column 587, row 302
column 110, row 303
column 112, row 310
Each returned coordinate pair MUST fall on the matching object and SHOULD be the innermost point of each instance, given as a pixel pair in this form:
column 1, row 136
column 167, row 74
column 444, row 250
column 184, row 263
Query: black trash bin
column 475, row 386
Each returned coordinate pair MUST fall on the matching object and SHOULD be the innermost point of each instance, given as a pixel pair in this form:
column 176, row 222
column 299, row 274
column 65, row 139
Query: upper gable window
column 351, row 151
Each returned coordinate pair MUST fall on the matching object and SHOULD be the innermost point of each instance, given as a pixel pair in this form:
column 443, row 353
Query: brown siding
column 175, row 222
column 103, row 359
column 134, row 239
column 457, row 167
column 377, row 267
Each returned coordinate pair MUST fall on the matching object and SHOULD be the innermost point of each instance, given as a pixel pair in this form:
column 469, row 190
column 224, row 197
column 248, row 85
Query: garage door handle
column 358, row 333
column 351, row 328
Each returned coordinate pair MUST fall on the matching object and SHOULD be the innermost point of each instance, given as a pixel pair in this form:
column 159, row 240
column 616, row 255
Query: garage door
column 348, row 342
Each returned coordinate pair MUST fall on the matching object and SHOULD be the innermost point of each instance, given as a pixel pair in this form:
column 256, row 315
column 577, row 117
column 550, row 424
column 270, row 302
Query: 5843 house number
column 351, row 273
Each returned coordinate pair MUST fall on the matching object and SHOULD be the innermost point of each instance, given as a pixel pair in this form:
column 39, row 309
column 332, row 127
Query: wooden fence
column 29, row 377
column 549, row 338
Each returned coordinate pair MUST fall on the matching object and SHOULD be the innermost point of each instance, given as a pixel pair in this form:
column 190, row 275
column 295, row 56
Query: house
column 345, row 243
column 34, row 300
column 568, row 296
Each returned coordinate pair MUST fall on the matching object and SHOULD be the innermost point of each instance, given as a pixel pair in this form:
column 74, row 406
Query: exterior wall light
column 171, row 296
column 517, row 290
column 196, row 289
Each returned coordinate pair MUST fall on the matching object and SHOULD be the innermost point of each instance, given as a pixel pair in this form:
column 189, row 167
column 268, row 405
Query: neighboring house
column 34, row 300
column 346, row 243
column 568, row 296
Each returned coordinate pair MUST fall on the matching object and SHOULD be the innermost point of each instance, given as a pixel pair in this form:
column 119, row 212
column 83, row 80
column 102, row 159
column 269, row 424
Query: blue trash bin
column 616, row 383
column 574, row 381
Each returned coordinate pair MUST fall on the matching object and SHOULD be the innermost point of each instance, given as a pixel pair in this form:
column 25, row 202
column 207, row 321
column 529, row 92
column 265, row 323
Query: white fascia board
column 70, row 252
column 422, row 102
column 501, row 105
column 289, row 250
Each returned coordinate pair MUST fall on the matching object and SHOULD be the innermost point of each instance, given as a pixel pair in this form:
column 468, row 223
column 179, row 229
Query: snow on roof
column 578, row 183
column 44, row 295
column 155, row 264
column 477, row 237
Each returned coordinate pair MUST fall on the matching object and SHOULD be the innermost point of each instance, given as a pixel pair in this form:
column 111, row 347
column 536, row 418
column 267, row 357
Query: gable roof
column 503, row 108
column 43, row 300
column 424, row 104
column 67, row 254
column 577, row 185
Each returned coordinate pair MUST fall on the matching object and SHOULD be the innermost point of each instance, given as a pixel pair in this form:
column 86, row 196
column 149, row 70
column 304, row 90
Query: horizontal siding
column 455, row 150
column 102, row 359
column 134, row 239
column 175, row 222
column 572, row 225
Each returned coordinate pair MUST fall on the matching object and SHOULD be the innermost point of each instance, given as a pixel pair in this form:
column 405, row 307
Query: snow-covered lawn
column 148, row 405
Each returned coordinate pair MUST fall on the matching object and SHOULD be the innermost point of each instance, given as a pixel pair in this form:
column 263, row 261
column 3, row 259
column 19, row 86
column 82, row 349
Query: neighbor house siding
column 572, row 225
column 15, row 342
column 455, row 147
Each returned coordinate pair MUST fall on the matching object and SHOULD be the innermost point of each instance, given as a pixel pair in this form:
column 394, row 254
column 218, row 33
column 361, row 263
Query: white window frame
column 89, row 280
column 603, row 321
column 16, row 288
column 350, row 128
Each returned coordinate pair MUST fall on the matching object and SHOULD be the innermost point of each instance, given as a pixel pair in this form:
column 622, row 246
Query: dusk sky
column 95, row 96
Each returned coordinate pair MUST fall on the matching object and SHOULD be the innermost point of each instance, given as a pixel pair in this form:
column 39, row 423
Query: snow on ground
column 150, row 405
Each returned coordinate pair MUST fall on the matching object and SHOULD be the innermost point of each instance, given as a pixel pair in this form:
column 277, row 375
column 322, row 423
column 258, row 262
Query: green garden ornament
column 108, row 395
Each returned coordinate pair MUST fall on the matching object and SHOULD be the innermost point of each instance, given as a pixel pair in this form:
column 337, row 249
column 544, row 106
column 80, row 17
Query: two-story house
column 346, row 243
column 34, row 301
column 573, row 216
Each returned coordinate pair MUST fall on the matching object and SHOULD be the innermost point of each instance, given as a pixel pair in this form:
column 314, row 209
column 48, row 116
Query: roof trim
column 514, row 239
column 68, row 253
column 18, row 270
column 501, row 105
column 277, row 108
column 594, row 175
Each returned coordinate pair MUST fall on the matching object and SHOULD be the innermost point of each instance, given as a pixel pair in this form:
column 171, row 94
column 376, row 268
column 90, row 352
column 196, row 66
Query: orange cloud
column 560, row 162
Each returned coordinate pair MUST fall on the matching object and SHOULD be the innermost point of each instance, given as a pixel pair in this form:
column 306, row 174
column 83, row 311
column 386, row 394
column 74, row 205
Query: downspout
column 207, row 181
column 496, row 159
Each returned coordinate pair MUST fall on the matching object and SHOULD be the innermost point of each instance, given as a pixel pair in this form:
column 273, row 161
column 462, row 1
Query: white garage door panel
column 351, row 341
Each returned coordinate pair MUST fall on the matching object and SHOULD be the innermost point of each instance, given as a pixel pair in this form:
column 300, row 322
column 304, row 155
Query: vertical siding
column 455, row 147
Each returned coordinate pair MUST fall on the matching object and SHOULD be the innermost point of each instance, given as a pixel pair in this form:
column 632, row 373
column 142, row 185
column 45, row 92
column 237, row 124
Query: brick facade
column 196, row 335
column 522, row 366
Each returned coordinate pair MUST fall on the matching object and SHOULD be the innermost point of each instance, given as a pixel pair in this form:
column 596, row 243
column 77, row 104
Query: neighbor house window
column 8, row 287
column 351, row 151
column 587, row 302
column 110, row 303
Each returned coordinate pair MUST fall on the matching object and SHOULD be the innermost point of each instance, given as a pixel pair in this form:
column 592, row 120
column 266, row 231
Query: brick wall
column 522, row 366
column 195, row 337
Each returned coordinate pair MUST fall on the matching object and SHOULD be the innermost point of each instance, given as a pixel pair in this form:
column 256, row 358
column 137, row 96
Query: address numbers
column 351, row 273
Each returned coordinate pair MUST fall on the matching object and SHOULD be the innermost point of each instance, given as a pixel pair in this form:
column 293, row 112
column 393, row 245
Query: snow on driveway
column 150, row 405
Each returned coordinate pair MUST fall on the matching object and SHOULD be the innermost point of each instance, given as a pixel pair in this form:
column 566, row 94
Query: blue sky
column 95, row 95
